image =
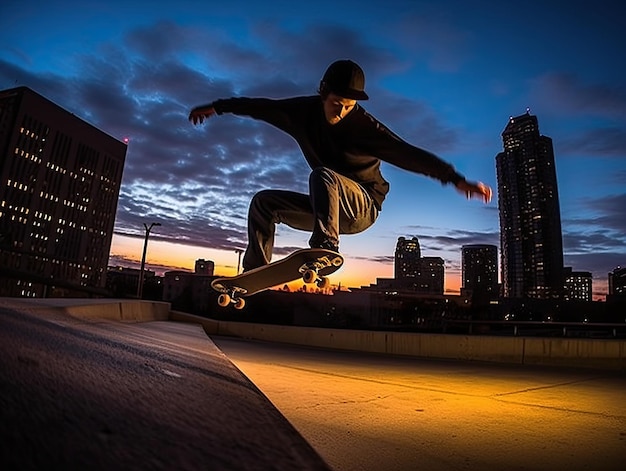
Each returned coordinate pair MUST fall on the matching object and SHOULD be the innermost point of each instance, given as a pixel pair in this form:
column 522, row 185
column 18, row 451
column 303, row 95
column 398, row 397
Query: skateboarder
column 344, row 145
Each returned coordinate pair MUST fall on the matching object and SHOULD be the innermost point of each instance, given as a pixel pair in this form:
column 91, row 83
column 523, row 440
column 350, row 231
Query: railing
column 539, row 328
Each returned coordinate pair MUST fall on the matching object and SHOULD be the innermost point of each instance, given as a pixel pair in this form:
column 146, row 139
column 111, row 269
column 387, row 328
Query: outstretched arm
column 202, row 112
column 474, row 190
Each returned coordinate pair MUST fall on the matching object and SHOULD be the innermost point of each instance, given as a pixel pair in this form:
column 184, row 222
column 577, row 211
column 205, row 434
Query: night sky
column 445, row 75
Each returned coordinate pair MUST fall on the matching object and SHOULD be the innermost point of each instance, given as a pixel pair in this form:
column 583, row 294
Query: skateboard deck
column 312, row 265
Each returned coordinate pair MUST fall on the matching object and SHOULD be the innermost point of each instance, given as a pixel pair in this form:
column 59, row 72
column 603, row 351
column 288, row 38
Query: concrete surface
column 101, row 395
column 376, row 412
column 80, row 392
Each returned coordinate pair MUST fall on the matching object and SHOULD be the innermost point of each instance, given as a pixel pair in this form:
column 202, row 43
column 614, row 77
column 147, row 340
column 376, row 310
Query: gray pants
column 335, row 205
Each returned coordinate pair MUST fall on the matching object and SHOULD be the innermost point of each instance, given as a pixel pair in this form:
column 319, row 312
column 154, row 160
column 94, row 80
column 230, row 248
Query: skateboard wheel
column 309, row 276
column 240, row 303
column 323, row 283
column 223, row 300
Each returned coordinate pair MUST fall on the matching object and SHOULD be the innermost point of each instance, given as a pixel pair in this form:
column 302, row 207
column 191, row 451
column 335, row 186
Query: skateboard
column 312, row 265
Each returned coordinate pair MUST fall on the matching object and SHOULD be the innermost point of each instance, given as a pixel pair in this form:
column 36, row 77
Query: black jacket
column 353, row 147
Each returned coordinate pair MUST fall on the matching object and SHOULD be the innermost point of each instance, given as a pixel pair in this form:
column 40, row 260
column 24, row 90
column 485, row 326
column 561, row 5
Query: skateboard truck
column 232, row 295
column 310, row 271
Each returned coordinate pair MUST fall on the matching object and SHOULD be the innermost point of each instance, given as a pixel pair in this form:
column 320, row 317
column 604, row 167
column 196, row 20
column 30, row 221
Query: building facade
column 407, row 258
column 479, row 270
column 617, row 282
column 59, row 186
column 204, row 267
column 191, row 291
column 530, row 223
column 414, row 272
column 122, row 282
column 431, row 275
column 578, row 285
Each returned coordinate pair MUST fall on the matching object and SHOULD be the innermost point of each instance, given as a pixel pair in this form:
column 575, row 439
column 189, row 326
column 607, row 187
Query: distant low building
column 617, row 281
column 388, row 306
column 616, row 298
column 176, row 283
column 190, row 291
column 122, row 281
column 204, row 267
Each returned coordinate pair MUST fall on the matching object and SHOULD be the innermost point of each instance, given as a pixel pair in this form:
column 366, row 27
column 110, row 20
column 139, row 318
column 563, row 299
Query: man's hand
column 475, row 190
column 200, row 113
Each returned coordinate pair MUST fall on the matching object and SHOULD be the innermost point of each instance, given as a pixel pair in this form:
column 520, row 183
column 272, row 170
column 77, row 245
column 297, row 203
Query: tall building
column 59, row 186
column 578, row 285
column 414, row 272
column 407, row 258
column 530, row 223
column 479, row 270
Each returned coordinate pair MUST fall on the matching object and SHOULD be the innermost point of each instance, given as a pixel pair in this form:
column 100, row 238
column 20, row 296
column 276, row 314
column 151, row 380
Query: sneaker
column 325, row 244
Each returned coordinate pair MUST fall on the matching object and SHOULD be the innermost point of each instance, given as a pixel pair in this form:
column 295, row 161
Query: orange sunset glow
column 165, row 256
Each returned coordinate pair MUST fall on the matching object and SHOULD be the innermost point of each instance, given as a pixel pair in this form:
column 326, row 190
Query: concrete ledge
column 587, row 353
column 608, row 354
column 124, row 310
column 133, row 311
column 457, row 347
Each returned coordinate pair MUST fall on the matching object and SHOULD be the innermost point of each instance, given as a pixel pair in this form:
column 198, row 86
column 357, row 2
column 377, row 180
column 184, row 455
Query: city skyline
column 445, row 77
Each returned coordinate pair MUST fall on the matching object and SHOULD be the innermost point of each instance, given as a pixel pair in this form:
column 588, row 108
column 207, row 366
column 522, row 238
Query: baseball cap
column 346, row 79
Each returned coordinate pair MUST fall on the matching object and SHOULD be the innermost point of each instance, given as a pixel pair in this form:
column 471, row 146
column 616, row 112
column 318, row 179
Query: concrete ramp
column 87, row 394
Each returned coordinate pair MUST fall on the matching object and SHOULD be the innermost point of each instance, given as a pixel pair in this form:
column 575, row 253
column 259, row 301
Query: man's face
column 336, row 108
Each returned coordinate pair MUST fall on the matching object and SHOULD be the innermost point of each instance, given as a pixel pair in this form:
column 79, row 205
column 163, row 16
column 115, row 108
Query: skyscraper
column 59, row 185
column 530, row 222
column 407, row 258
column 416, row 273
column 479, row 268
